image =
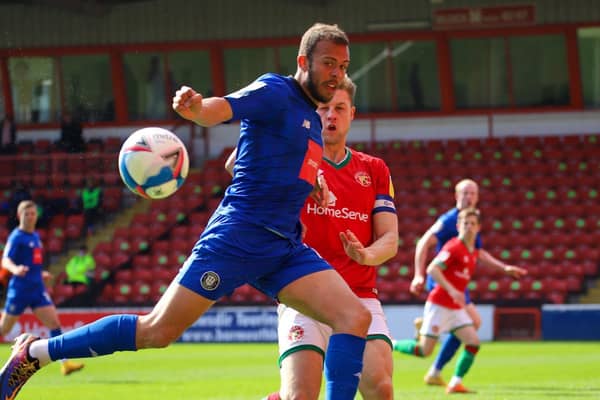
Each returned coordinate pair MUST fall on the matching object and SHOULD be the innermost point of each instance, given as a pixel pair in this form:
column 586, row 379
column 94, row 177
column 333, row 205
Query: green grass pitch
column 502, row 370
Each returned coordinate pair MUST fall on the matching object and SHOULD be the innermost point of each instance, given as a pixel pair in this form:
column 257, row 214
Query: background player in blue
column 24, row 258
column 255, row 234
column 466, row 194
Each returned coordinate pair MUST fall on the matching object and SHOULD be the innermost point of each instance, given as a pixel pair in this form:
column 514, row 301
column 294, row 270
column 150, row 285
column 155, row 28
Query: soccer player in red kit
column 355, row 233
column 451, row 269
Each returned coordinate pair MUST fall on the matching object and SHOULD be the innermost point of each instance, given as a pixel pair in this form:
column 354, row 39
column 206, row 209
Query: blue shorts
column 231, row 253
column 430, row 284
column 17, row 300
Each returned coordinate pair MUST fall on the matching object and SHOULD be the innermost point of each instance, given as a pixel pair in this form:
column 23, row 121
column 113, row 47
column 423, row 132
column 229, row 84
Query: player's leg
column 450, row 345
column 434, row 319
column 301, row 374
column 14, row 306
column 325, row 297
column 474, row 315
column 49, row 317
column 376, row 378
column 467, row 335
column 7, row 321
column 302, row 343
column 178, row 308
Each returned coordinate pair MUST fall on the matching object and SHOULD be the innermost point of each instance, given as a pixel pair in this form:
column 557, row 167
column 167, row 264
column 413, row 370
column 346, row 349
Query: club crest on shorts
column 296, row 333
column 210, row 280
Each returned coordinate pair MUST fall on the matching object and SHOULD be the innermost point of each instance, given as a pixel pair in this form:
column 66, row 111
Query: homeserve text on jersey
column 343, row 213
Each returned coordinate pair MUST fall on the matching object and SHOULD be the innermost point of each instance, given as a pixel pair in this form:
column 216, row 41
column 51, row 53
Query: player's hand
column 187, row 103
column 458, row 297
column 320, row 193
column 21, row 270
column 47, row 277
column 514, row 271
column 353, row 247
column 417, row 285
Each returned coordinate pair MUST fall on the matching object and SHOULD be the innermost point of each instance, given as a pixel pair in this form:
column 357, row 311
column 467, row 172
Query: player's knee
column 381, row 389
column 362, row 318
column 385, row 390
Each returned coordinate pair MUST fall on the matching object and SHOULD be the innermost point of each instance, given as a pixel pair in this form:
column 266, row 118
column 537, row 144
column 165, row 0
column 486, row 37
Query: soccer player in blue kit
column 254, row 236
column 466, row 195
column 24, row 257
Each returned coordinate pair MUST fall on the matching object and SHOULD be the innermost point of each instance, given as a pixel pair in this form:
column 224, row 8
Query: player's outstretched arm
column 190, row 105
column 492, row 262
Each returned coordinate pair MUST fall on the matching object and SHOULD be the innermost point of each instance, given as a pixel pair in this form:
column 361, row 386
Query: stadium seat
column 74, row 226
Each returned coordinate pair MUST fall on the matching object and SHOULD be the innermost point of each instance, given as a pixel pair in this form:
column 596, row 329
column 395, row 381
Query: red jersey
column 359, row 187
column 457, row 264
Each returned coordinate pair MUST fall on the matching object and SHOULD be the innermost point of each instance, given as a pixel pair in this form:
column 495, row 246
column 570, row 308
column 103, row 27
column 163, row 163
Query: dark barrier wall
column 571, row 322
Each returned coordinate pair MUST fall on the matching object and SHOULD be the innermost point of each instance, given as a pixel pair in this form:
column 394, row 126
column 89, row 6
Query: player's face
column 467, row 196
column 468, row 227
column 336, row 117
column 28, row 218
column 326, row 70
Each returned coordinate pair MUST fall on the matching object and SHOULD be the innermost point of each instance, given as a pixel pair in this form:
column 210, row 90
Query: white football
column 153, row 163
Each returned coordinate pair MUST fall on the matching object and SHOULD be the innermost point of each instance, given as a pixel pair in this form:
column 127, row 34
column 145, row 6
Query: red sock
column 273, row 396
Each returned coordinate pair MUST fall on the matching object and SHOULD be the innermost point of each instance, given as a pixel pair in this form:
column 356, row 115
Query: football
column 153, row 163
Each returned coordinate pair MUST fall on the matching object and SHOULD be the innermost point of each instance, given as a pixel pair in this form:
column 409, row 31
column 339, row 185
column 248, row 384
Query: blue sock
column 449, row 348
column 55, row 332
column 343, row 364
column 105, row 336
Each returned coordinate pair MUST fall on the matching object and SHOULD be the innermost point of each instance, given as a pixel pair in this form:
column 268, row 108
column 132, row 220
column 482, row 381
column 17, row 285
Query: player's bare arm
column 436, row 273
column 492, row 262
column 17, row 270
column 424, row 244
column 384, row 247
column 190, row 105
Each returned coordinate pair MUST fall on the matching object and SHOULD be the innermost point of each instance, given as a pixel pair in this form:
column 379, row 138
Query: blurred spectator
column 155, row 90
column 20, row 194
column 8, row 135
column 71, row 134
column 80, row 268
column 91, row 203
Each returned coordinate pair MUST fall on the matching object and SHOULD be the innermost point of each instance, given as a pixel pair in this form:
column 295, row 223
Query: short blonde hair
column 464, row 182
column 25, row 204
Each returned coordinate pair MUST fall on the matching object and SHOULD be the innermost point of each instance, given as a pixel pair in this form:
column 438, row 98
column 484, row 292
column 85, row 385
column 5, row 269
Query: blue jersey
column 25, row 248
column 254, row 236
column 278, row 155
column 446, row 229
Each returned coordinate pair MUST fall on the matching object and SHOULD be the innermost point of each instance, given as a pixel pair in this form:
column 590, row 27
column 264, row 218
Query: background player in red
column 355, row 232
column 466, row 194
column 444, row 311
